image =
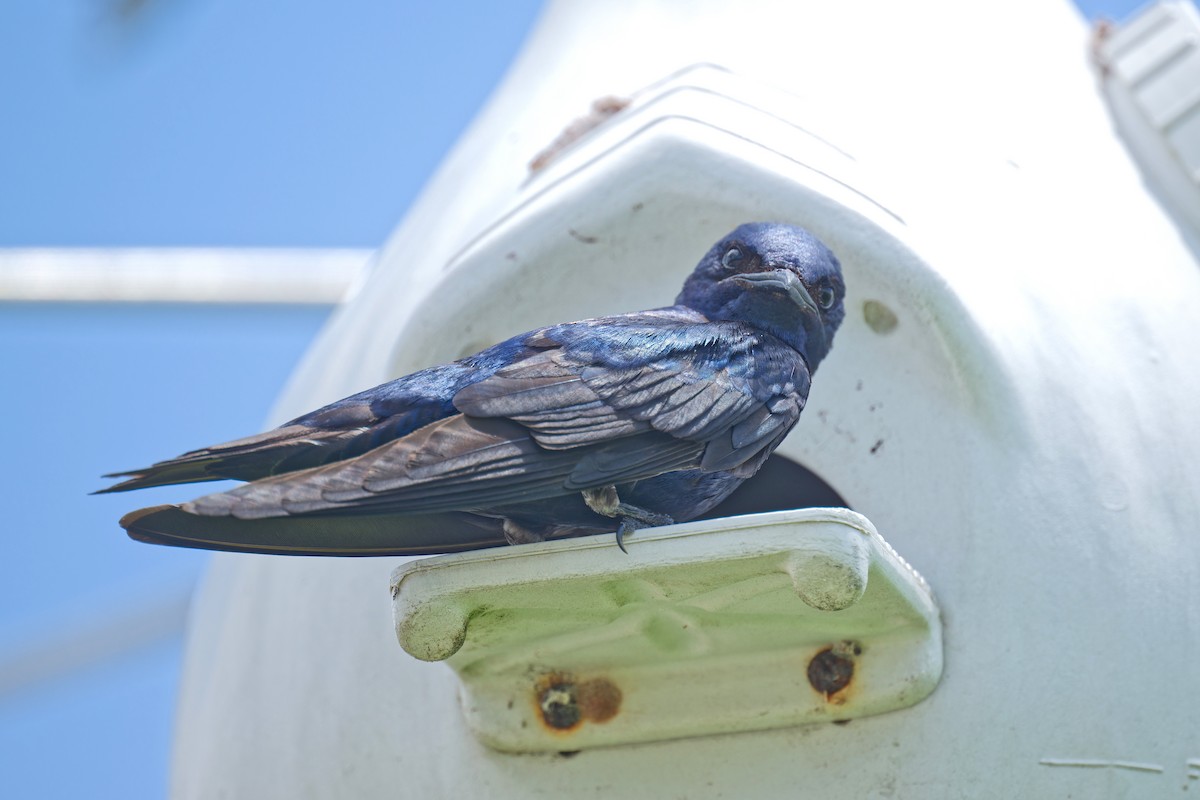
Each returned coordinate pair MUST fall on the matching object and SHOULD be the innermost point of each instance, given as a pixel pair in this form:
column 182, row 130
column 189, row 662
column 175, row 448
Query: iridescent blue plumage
column 599, row 425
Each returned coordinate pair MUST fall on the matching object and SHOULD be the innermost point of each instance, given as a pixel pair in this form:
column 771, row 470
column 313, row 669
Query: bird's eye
column 732, row 258
column 826, row 296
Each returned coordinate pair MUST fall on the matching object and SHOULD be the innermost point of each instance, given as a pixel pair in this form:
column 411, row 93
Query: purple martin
column 608, row 424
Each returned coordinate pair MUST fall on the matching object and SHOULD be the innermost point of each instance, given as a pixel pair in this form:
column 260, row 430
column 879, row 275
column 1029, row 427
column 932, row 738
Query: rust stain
column 601, row 110
column 831, row 671
column 563, row 702
column 579, row 237
column 599, row 699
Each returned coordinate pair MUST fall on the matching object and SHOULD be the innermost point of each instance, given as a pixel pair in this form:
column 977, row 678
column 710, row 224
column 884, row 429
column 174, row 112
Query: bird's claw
column 605, row 501
column 627, row 526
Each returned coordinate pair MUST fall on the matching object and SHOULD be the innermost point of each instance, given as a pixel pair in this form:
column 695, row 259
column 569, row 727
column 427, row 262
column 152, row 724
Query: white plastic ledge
column 737, row 624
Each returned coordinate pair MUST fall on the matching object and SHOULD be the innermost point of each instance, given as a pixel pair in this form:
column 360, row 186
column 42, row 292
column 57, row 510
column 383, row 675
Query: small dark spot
column 510, row 703
column 875, row 447
column 126, row 10
column 841, row 722
column 874, row 406
column 858, row 387
column 568, row 753
column 576, row 235
column 879, row 317
column 638, row 206
column 511, row 255
column 559, row 705
column 831, row 670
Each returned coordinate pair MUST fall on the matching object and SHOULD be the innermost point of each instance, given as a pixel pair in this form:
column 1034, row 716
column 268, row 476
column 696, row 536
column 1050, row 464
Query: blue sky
column 194, row 122
column 200, row 122
column 275, row 122
column 90, row 389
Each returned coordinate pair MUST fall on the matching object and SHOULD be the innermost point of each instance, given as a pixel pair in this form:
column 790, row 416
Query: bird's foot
column 604, row 501
column 627, row 526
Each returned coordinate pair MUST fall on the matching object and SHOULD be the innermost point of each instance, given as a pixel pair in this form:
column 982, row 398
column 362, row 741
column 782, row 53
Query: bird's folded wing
column 458, row 463
column 697, row 388
column 612, row 405
column 338, row 431
column 283, row 449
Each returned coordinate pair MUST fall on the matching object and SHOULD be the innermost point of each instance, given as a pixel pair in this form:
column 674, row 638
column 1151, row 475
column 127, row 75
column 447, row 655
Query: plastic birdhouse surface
column 1011, row 398
column 746, row 623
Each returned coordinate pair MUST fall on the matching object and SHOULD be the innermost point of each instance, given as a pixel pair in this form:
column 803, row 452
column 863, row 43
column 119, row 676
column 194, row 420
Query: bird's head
column 776, row 277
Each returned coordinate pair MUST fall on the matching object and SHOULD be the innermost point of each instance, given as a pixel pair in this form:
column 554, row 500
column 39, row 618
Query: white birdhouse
column 1010, row 404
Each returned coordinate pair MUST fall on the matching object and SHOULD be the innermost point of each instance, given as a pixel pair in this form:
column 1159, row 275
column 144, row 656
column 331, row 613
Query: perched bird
column 603, row 425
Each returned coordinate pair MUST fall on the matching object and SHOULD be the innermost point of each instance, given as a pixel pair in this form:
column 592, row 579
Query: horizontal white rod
column 179, row 275
column 95, row 640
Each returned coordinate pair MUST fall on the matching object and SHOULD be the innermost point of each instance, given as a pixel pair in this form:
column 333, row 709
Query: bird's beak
column 782, row 280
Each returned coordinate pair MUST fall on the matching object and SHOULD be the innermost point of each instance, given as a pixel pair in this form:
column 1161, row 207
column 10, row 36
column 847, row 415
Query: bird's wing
column 283, row 449
column 584, row 405
column 459, row 463
column 338, row 431
column 721, row 385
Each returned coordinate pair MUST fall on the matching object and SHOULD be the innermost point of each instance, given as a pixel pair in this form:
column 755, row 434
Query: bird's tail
column 315, row 535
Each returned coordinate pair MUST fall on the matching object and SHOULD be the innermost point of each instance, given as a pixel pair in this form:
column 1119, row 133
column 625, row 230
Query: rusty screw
column 564, row 702
column 560, row 705
column 832, row 669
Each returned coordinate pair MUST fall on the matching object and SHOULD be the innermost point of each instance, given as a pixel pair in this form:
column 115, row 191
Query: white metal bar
column 179, row 275
column 82, row 646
